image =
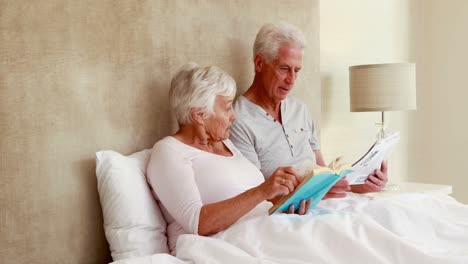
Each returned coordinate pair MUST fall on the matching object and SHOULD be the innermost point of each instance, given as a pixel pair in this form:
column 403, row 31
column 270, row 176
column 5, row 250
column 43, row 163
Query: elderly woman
column 201, row 179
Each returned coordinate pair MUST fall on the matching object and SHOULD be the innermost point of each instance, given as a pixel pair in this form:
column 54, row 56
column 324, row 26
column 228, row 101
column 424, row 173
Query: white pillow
column 133, row 222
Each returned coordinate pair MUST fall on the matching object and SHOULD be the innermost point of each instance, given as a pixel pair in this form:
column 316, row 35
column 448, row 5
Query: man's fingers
column 335, row 195
column 342, row 182
column 342, row 187
column 339, row 189
column 374, row 179
column 381, row 175
column 384, row 166
column 379, row 181
column 373, row 184
column 291, row 209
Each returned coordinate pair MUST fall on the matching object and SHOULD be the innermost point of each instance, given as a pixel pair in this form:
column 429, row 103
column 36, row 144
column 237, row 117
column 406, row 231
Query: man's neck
column 256, row 94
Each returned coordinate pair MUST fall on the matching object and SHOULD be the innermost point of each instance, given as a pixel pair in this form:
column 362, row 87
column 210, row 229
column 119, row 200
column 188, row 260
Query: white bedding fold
column 411, row 228
column 401, row 229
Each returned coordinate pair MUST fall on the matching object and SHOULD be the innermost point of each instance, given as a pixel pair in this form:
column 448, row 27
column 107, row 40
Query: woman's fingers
column 304, row 207
column 286, row 176
column 292, row 174
column 290, row 178
column 284, row 181
column 308, row 203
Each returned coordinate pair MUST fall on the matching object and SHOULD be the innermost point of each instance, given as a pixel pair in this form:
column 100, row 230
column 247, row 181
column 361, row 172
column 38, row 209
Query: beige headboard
column 81, row 76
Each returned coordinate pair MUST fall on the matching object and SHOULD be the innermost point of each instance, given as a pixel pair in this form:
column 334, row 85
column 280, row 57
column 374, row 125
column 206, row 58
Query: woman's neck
column 196, row 136
column 193, row 135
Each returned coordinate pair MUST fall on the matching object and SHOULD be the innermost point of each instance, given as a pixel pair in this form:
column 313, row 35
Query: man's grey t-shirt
column 269, row 144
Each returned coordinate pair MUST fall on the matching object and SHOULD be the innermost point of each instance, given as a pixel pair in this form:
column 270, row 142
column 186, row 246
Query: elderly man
column 274, row 129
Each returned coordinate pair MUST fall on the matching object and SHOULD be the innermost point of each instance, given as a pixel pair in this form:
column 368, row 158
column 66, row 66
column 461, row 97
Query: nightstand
column 413, row 187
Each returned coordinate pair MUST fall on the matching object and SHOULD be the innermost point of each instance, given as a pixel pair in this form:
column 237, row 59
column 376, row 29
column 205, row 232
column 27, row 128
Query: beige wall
column 81, row 76
column 439, row 129
column 360, row 32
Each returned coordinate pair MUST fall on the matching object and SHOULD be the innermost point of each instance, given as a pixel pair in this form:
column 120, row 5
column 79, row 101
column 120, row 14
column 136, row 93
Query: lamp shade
column 382, row 87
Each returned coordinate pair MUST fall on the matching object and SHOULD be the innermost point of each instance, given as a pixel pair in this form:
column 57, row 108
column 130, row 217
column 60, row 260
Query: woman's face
column 219, row 123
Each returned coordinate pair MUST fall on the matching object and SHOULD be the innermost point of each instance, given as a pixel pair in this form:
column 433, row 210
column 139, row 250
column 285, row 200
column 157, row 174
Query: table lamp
column 382, row 87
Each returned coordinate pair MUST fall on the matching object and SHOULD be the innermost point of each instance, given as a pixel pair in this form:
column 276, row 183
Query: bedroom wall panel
column 353, row 33
column 438, row 128
column 81, row 76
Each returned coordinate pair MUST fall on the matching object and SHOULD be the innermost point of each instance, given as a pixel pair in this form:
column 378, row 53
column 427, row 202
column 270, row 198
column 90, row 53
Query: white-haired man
column 274, row 129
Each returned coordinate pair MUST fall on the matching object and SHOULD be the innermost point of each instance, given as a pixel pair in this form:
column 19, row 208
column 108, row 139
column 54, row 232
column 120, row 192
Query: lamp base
column 382, row 131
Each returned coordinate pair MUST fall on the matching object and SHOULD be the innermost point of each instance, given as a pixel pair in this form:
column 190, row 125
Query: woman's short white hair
column 271, row 36
column 194, row 86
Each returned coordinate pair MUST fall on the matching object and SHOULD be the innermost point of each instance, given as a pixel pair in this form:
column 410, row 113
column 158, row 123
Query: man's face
column 279, row 75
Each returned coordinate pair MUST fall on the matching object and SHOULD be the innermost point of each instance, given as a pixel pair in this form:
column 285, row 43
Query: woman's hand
column 303, row 208
column 282, row 182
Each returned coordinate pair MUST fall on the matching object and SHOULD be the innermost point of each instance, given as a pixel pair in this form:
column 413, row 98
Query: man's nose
column 291, row 78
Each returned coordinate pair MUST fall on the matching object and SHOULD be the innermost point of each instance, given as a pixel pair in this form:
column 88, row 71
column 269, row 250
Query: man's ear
column 197, row 116
column 259, row 62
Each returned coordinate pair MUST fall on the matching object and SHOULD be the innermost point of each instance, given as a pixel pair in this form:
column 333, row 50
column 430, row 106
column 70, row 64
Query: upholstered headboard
column 81, row 76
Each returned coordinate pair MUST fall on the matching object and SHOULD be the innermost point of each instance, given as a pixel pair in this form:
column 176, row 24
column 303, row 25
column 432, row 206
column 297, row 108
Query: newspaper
column 372, row 159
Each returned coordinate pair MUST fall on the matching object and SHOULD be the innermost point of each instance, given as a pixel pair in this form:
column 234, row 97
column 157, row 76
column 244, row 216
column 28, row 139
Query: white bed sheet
column 407, row 228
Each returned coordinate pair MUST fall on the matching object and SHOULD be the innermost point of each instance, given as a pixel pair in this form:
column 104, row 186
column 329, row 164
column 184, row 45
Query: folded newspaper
column 372, row 159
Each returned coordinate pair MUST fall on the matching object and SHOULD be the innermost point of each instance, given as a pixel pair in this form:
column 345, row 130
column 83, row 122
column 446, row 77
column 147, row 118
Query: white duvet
column 409, row 228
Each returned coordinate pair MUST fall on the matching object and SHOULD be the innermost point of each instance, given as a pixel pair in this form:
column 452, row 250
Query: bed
column 80, row 77
column 406, row 227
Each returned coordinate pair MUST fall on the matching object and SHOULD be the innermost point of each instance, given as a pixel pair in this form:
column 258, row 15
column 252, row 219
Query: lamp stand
column 381, row 129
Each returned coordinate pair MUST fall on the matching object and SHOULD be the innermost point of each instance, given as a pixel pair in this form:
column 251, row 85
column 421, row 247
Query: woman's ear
column 259, row 62
column 197, row 116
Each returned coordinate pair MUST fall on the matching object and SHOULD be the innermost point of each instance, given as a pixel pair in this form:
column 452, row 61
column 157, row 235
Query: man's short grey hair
column 271, row 36
column 194, row 86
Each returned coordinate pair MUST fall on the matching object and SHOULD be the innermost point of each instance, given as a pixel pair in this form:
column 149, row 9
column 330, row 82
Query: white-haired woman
column 201, row 179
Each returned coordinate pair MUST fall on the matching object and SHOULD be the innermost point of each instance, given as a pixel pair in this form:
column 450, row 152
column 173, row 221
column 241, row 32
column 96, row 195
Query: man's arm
column 319, row 158
column 241, row 139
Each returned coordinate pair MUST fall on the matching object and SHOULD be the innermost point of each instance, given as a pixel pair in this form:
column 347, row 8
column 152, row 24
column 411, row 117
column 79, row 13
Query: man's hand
column 375, row 182
column 339, row 189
